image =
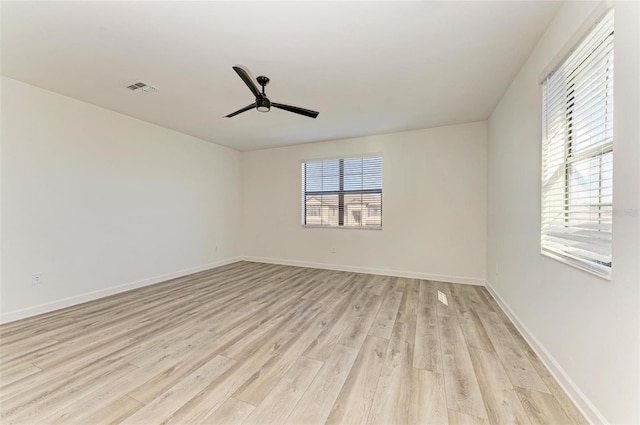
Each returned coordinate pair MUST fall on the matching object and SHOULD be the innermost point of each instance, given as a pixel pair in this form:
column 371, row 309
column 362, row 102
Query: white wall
column 587, row 328
column 434, row 206
column 99, row 202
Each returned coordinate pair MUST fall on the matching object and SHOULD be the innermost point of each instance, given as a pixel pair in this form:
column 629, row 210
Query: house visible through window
column 577, row 154
column 344, row 192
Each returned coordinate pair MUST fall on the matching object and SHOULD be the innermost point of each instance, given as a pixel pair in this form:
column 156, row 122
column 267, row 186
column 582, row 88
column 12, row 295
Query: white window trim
column 302, row 199
column 601, row 271
column 592, row 20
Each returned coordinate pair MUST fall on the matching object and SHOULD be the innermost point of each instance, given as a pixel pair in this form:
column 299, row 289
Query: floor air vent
column 140, row 87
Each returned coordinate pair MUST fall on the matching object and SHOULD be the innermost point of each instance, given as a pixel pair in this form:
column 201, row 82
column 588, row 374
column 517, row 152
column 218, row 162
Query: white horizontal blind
column 577, row 154
column 344, row 192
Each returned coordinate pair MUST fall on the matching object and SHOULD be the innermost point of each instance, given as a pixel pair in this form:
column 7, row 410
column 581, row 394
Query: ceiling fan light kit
column 262, row 103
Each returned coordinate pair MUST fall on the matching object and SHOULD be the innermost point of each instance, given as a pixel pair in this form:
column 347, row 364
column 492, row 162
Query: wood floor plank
column 29, row 409
column 231, row 412
column 473, row 299
column 212, row 397
column 463, row 390
column 542, row 408
column 519, row 369
column 427, row 354
column 316, row 403
column 467, row 305
column 271, row 319
column 109, row 391
column 305, row 330
column 266, row 343
column 27, row 346
column 164, row 405
column 17, row 372
column 279, row 403
column 380, row 284
column 168, row 373
column 42, row 326
column 259, row 385
column 567, row 405
column 386, row 317
column 404, row 328
column 356, row 398
column 486, row 296
column 428, row 399
column 106, row 394
column 459, row 418
column 393, row 393
column 359, row 326
column 323, row 345
column 427, row 303
column 473, row 330
column 502, row 404
column 171, row 346
column 53, row 378
column 561, row 397
column 224, row 339
column 112, row 413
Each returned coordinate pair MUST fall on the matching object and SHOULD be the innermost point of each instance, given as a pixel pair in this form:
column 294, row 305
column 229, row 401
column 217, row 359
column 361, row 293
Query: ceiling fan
column 262, row 103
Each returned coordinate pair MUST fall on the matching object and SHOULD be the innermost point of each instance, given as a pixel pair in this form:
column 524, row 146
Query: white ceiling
column 368, row 67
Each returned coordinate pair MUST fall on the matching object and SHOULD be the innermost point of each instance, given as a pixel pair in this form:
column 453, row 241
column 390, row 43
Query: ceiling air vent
column 140, row 87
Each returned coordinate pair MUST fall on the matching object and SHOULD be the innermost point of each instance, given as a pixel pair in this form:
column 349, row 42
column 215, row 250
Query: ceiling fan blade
column 239, row 111
column 306, row 112
column 248, row 81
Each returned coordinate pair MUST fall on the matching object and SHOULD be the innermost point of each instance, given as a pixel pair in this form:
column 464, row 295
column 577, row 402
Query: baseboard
column 369, row 270
column 90, row 296
column 585, row 406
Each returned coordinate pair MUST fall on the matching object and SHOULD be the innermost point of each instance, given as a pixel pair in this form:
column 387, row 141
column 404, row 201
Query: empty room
column 339, row 212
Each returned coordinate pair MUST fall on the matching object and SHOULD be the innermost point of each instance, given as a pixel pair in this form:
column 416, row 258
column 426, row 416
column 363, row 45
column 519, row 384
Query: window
column 345, row 191
column 577, row 154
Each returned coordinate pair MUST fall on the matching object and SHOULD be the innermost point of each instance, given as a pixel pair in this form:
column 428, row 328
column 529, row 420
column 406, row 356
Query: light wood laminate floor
column 252, row 343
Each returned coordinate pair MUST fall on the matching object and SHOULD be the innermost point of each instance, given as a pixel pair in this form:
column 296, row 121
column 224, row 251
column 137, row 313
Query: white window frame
column 341, row 210
column 575, row 229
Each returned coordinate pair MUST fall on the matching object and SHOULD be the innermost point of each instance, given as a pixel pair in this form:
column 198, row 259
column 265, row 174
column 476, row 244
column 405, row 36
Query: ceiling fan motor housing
column 263, row 104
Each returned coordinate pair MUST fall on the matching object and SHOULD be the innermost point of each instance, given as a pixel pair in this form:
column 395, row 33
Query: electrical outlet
column 36, row 278
column 333, row 250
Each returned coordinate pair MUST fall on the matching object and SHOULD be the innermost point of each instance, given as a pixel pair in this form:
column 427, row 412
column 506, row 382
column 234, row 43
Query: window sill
column 601, row 272
column 306, row 226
